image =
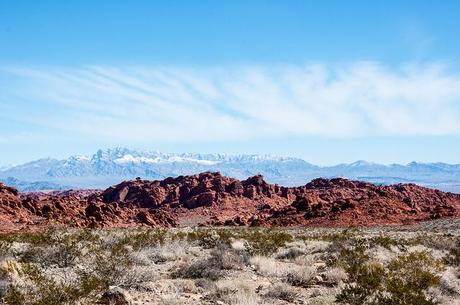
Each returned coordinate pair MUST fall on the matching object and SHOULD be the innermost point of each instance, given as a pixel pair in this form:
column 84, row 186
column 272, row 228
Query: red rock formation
column 10, row 206
column 213, row 199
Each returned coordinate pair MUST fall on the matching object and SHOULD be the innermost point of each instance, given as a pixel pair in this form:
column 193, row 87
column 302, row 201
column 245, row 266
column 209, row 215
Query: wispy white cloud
column 228, row 103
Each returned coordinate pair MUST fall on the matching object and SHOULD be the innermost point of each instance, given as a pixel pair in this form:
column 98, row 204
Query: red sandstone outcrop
column 213, row 199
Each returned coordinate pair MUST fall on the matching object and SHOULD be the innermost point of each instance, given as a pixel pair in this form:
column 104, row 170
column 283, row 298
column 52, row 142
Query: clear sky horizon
column 326, row 81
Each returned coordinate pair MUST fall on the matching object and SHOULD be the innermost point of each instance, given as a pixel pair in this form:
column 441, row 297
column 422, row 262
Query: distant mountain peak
column 108, row 166
column 363, row 163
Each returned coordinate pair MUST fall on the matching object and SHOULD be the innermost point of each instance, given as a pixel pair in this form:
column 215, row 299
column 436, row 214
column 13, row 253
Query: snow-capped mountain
column 107, row 167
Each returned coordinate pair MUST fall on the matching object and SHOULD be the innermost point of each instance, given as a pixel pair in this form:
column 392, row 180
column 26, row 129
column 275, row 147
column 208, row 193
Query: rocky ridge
column 211, row 199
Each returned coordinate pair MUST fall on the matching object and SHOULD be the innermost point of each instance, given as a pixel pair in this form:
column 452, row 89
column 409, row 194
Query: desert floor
column 407, row 265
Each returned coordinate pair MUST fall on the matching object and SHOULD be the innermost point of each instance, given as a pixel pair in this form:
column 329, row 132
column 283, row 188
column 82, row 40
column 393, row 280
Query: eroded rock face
column 213, row 199
column 10, row 205
column 344, row 202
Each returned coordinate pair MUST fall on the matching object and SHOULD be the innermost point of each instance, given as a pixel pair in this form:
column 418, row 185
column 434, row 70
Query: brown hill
column 213, row 199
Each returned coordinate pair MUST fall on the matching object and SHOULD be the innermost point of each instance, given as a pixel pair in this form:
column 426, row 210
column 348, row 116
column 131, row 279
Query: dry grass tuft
column 282, row 292
column 303, row 276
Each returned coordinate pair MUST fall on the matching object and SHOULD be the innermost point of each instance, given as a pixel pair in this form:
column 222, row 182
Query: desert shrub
column 262, row 242
column 5, row 247
column 303, row 276
column 209, row 240
column 3, row 270
column 346, row 249
column 267, row 266
column 282, row 292
column 106, row 268
column 243, row 297
column 439, row 242
column 350, row 256
column 342, row 236
column 223, row 289
column 48, row 237
column 226, row 236
column 43, row 290
column 366, row 288
column 67, row 250
column 228, row 258
column 434, row 241
column 453, row 258
column 41, row 238
column 450, row 282
column 410, row 276
column 317, row 247
column 57, row 248
column 238, row 245
column 334, row 276
column 6, row 238
column 144, row 238
column 206, row 238
column 4, row 286
column 265, row 242
column 384, row 241
column 136, row 239
column 179, row 236
column 291, row 253
column 322, row 300
column 169, row 251
column 199, row 269
column 404, row 282
column 234, row 293
column 170, row 300
column 14, row 296
column 204, row 283
column 222, row 258
column 33, row 254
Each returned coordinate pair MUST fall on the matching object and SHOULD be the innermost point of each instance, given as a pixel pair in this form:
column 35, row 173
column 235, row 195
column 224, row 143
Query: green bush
column 384, row 241
column 403, row 282
column 367, row 285
column 410, row 276
column 348, row 254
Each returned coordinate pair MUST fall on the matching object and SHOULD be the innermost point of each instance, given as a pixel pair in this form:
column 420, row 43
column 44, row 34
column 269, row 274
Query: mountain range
column 108, row 167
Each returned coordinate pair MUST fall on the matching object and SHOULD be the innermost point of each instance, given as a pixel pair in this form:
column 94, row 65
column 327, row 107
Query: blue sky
column 328, row 81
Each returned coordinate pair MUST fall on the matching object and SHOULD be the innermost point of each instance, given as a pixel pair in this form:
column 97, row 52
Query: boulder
column 116, row 296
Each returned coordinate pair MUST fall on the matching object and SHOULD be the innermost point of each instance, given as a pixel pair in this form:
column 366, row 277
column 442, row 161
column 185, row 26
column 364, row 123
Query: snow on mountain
column 110, row 166
column 126, row 159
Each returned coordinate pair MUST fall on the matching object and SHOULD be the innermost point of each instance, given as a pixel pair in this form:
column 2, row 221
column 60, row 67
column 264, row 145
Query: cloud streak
column 135, row 104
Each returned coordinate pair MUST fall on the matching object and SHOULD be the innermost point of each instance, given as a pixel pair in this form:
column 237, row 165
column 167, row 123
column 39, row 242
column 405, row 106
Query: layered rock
column 213, row 199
